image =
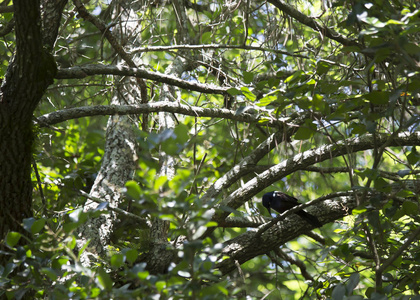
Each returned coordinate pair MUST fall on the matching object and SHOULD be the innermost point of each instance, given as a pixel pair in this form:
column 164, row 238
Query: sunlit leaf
column 13, row 238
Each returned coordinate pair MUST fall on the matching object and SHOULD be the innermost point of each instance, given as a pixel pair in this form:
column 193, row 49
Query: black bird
column 281, row 202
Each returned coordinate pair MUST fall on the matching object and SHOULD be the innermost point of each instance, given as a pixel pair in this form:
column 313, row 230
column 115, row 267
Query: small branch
column 300, row 264
column 248, row 164
column 38, row 179
column 377, row 258
column 397, row 254
column 142, row 221
column 212, row 46
column 79, row 72
column 105, row 30
column 6, row 9
column 6, row 29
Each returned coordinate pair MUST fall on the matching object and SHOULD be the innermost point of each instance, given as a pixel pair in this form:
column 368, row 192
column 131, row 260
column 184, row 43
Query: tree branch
column 213, row 46
column 113, row 41
column 140, row 220
column 247, row 245
column 171, row 107
column 308, row 158
column 79, row 72
column 310, row 22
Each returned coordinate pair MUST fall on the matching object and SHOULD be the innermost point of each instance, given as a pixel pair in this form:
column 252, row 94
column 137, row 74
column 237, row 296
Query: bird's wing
column 286, row 198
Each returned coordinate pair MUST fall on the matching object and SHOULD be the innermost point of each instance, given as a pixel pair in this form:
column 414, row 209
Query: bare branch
column 213, row 46
column 6, row 9
column 294, row 261
column 171, row 107
column 79, row 72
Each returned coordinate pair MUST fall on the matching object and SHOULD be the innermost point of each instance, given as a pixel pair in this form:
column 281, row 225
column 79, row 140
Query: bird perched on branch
column 281, row 202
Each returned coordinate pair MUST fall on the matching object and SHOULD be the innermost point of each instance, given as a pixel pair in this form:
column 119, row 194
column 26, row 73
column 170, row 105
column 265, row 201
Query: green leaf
column 37, row 226
column 181, row 132
column 170, row 147
column 378, row 97
column 352, row 283
column 338, row 292
column 305, row 131
column 104, row 279
column 413, row 157
column 51, row 273
column 160, row 285
column 382, row 185
column 13, row 238
column 410, row 208
column 27, row 224
column 322, row 67
column 143, row 275
column 159, row 182
column 205, row 37
column 133, row 189
column 248, row 94
column 117, row 260
column 248, row 77
column 131, row 255
column 294, row 77
column 348, row 49
column 234, row 92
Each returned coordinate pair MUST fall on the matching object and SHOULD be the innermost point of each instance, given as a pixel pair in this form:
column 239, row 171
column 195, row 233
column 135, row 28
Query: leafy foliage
column 274, row 66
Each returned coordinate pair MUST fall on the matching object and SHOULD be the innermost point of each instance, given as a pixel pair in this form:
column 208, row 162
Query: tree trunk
column 120, row 157
column 29, row 74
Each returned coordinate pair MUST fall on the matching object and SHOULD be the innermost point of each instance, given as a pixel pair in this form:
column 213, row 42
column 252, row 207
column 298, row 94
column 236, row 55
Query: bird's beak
column 269, row 211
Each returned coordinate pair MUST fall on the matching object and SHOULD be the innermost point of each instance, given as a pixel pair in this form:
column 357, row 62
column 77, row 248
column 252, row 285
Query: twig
column 141, row 220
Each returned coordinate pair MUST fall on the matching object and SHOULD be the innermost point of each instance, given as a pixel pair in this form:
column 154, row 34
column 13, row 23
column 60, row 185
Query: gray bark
column 119, row 161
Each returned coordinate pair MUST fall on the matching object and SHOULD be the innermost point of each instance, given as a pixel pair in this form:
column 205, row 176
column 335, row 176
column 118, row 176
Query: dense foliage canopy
column 153, row 140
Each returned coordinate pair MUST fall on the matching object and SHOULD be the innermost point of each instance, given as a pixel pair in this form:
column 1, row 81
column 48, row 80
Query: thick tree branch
column 91, row 70
column 53, row 10
column 6, row 29
column 310, row 22
column 171, row 107
column 308, row 158
column 248, row 164
column 249, row 245
column 6, row 9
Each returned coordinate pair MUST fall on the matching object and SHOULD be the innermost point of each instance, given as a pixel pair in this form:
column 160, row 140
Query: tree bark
column 120, row 157
column 30, row 72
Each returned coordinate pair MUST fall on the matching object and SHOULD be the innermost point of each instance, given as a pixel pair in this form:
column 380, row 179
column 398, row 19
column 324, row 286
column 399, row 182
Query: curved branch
column 79, row 72
column 307, row 158
column 249, row 245
column 310, row 22
column 249, row 163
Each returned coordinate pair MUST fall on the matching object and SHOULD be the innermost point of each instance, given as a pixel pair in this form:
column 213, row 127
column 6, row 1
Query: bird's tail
column 309, row 218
